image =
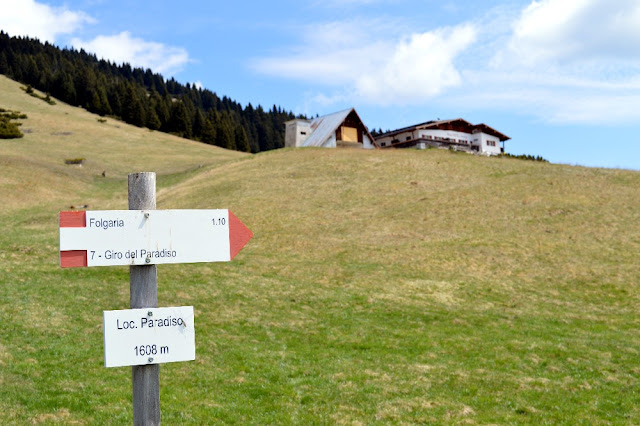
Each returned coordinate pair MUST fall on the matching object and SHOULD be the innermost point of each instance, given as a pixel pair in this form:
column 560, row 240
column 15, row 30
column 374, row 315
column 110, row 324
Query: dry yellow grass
column 454, row 215
column 33, row 168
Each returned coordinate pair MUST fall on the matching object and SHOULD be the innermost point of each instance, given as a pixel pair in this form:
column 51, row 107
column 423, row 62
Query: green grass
column 385, row 287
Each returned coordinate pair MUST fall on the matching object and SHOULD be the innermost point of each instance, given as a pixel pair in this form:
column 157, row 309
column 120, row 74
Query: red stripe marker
column 73, row 258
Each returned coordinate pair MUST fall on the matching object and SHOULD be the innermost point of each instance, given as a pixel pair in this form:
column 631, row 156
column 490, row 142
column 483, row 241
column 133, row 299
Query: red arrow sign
column 136, row 237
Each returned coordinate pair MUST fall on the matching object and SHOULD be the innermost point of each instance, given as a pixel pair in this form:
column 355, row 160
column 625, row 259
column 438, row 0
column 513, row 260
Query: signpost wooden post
column 142, row 237
column 143, row 287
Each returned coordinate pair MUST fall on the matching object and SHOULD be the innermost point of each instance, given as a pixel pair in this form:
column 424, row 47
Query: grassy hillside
column 34, row 169
column 381, row 287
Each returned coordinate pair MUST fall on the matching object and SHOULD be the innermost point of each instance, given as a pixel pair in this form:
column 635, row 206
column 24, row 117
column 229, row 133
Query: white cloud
column 397, row 70
column 560, row 61
column 420, row 67
column 578, row 31
column 566, row 62
column 36, row 20
column 330, row 54
column 39, row 20
column 124, row 48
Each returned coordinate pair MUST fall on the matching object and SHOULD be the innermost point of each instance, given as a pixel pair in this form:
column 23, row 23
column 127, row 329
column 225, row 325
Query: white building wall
column 400, row 137
column 386, row 141
column 296, row 132
column 366, row 143
column 453, row 136
column 489, row 145
column 403, row 137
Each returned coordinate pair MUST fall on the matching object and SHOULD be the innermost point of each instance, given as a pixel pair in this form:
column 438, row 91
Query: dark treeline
column 141, row 97
column 526, row 157
column 377, row 132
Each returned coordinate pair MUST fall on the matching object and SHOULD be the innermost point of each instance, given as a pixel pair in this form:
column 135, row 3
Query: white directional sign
column 149, row 336
column 138, row 237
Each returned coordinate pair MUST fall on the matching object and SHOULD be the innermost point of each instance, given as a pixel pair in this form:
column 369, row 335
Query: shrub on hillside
column 29, row 91
column 13, row 115
column 74, row 161
column 9, row 130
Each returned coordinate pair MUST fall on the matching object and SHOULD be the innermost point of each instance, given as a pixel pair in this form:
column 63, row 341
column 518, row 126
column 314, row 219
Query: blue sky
column 560, row 77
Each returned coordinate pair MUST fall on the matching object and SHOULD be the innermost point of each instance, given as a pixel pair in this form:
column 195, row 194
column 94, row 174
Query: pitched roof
column 323, row 128
column 471, row 128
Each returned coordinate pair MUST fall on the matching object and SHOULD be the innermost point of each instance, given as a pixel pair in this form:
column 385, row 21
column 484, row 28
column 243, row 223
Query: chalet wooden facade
column 456, row 134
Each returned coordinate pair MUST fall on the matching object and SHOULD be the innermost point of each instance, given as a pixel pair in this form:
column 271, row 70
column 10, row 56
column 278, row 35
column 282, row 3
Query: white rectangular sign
column 137, row 237
column 149, row 336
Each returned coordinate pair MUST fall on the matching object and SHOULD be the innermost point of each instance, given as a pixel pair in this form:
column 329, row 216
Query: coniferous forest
column 141, row 97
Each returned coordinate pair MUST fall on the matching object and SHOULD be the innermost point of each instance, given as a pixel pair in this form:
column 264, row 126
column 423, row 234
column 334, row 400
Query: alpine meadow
column 380, row 287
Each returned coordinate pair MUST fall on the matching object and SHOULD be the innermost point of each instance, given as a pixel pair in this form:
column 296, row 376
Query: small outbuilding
column 340, row 129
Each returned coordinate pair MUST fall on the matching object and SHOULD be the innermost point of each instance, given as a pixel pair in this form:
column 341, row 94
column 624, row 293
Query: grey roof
column 323, row 128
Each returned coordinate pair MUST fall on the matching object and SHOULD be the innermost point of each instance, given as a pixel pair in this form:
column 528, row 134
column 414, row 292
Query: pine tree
column 241, row 140
column 153, row 122
column 225, row 137
column 115, row 95
column 179, row 121
column 198, row 125
column 133, row 109
column 63, row 88
column 265, row 135
column 103, row 100
column 4, row 64
column 208, row 132
column 162, row 107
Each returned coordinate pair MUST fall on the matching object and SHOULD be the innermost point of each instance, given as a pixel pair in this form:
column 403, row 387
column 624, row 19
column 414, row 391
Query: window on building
column 408, row 138
column 303, row 133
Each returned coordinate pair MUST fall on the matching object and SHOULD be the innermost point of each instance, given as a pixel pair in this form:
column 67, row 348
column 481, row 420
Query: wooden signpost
column 145, row 335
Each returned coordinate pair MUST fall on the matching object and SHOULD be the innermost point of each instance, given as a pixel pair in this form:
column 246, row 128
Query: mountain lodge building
column 456, row 134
